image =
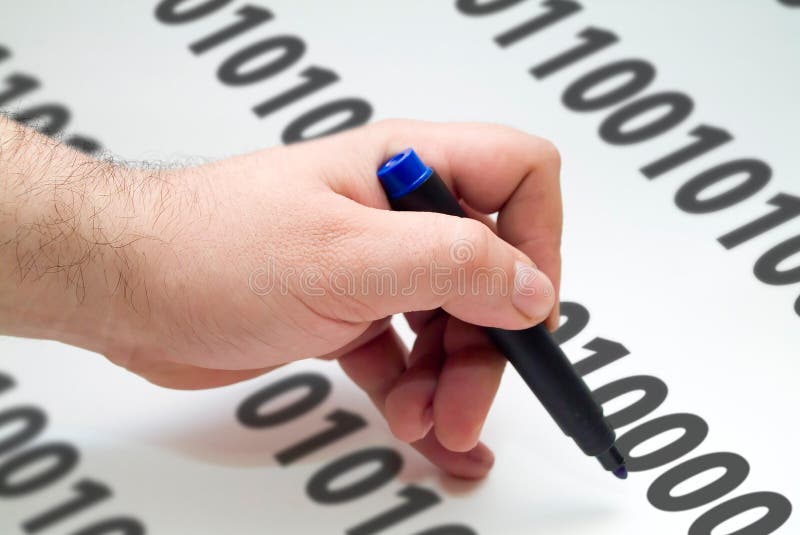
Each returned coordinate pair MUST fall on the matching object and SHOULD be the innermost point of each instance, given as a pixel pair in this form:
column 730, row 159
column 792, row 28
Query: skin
column 165, row 272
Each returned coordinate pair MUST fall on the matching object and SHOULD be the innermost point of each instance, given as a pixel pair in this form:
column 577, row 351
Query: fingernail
column 533, row 293
column 481, row 455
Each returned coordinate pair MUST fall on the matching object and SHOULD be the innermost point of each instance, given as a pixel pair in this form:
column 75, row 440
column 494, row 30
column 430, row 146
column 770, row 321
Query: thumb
column 436, row 260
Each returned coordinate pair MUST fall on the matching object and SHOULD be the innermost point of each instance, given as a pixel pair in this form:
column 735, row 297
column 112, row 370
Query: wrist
column 70, row 267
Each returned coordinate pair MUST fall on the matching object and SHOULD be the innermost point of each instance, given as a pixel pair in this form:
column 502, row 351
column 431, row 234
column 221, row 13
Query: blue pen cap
column 403, row 173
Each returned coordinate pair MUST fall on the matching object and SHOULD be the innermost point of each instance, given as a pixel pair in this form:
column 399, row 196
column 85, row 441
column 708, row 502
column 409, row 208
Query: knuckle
column 549, row 152
column 469, row 244
column 387, row 124
column 388, row 127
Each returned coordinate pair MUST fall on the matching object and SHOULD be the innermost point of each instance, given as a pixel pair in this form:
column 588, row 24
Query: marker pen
column 412, row 186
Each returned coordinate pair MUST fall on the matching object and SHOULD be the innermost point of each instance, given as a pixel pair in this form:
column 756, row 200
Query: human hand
column 236, row 267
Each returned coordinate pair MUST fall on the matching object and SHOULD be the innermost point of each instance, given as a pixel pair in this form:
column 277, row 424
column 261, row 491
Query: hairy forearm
column 68, row 227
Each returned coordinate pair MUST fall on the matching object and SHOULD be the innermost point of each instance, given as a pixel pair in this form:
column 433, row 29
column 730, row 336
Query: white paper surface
column 691, row 313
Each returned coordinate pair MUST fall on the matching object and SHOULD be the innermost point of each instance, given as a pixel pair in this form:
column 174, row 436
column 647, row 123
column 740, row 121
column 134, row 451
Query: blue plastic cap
column 403, row 173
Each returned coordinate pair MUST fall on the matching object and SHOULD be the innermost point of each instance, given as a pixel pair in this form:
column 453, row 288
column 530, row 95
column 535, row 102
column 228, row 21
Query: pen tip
column 621, row 472
column 613, row 461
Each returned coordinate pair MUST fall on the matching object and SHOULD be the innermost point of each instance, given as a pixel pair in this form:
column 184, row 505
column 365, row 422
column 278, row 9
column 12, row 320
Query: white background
column 690, row 312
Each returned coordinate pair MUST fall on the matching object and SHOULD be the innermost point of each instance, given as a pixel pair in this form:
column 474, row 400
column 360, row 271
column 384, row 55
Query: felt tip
column 613, row 461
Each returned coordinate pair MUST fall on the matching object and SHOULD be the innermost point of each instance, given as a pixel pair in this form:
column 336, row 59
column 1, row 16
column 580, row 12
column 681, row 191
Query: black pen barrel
column 552, row 378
